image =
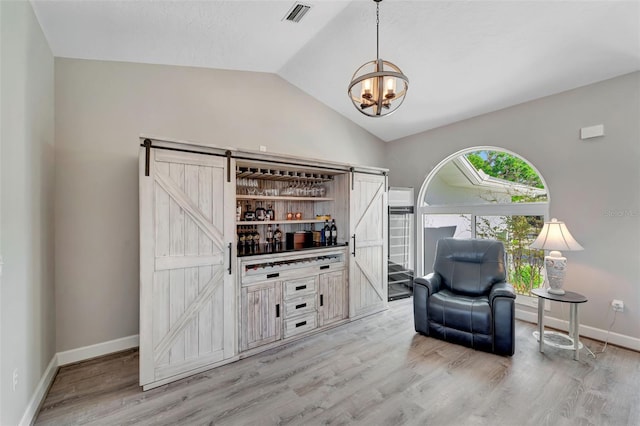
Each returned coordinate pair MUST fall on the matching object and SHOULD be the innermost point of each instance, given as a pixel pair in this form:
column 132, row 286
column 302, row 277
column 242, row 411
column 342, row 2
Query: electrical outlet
column 263, row 148
column 617, row 305
column 15, row 379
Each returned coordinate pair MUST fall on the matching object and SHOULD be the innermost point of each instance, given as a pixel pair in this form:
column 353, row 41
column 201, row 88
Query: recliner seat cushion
column 464, row 313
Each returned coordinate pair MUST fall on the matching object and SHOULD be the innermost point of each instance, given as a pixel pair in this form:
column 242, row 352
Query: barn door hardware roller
column 147, row 158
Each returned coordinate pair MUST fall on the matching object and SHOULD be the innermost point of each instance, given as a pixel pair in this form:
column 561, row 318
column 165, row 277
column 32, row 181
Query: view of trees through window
column 524, row 265
column 503, row 165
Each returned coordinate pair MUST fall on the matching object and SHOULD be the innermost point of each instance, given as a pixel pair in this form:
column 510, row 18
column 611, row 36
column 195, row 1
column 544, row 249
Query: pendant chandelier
column 378, row 87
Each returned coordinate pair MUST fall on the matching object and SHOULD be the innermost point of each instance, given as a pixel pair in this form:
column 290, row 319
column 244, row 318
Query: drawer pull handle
column 300, row 324
column 278, row 310
column 275, row 275
column 322, row 300
column 301, row 287
column 325, row 266
column 302, row 305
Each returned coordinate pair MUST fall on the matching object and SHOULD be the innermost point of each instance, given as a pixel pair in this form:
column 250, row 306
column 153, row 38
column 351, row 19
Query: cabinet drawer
column 300, row 305
column 300, row 287
column 300, row 324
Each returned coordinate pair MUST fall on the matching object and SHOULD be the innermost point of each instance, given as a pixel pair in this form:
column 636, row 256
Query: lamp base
column 556, row 266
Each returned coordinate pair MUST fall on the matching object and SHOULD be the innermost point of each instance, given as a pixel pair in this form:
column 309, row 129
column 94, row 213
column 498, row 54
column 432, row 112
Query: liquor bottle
column 317, row 236
column 269, row 234
column 334, row 232
column 271, row 215
column 277, row 236
column 242, row 238
column 260, row 212
column 238, row 212
column 248, row 239
column 256, row 238
column 249, row 214
column 326, row 234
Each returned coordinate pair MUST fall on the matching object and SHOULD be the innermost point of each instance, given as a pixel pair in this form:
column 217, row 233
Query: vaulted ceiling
column 463, row 58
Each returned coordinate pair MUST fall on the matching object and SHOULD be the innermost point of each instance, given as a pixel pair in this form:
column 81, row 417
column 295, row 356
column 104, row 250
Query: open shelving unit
column 295, row 190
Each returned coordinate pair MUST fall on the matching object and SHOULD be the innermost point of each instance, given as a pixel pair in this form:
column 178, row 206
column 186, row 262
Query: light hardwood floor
column 375, row 371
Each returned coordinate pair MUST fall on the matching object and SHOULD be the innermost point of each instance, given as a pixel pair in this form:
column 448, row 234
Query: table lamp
column 555, row 237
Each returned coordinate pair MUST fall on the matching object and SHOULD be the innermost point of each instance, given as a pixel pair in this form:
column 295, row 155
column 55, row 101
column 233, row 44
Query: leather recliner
column 466, row 300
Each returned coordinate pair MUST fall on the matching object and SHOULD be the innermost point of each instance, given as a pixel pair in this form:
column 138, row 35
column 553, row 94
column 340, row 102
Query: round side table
column 574, row 299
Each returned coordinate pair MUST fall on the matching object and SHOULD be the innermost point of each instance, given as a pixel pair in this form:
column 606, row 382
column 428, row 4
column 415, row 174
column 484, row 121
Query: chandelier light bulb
column 391, row 88
column 366, row 88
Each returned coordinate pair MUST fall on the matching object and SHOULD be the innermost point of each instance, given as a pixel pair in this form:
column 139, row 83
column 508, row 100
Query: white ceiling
column 463, row 58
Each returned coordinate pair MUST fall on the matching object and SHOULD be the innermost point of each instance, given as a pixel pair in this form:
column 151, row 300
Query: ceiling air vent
column 297, row 12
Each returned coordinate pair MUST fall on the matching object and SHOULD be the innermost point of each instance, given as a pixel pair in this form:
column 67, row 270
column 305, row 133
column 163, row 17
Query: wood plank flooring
column 374, row 371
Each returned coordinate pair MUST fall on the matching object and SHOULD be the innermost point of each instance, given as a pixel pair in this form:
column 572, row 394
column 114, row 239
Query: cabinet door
column 187, row 296
column 261, row 307
column 332, row 298
column 368, row 259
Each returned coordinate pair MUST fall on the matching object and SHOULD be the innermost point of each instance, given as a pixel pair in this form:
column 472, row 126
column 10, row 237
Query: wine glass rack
column 281, row 175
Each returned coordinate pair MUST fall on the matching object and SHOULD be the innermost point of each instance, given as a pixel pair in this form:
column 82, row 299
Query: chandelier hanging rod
column 377, row 28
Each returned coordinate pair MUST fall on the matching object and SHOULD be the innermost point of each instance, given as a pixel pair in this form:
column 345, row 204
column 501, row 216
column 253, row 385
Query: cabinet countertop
column 262, row 250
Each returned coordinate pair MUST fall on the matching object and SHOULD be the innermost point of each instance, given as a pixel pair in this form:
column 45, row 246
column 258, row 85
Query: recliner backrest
column 470, row 266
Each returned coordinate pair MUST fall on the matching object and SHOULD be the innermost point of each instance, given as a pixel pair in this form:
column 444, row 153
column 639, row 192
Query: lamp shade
column 555, row 236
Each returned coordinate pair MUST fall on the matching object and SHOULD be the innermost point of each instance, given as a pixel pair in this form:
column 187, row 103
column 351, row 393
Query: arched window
column 486, row 192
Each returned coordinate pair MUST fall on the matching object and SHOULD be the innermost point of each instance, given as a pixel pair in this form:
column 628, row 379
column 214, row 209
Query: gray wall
column 27, row 309
column 101, row 109
column 593, row 184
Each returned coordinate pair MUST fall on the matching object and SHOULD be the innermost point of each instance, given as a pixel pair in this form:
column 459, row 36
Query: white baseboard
column 99, row 349
column 40, row 392
column 69, row 357
column 617, row 339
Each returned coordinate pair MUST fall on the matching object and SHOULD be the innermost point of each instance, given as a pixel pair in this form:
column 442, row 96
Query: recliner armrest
column 431, row 282
column 502, row 289
column 423, row 288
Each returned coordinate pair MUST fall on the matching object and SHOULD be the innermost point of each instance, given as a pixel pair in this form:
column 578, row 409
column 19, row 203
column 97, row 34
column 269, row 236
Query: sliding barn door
column 187, row 296
column 368, row 265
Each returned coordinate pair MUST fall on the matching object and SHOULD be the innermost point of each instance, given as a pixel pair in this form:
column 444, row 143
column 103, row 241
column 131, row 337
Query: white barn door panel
column 187, row 292
column 368, row 226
